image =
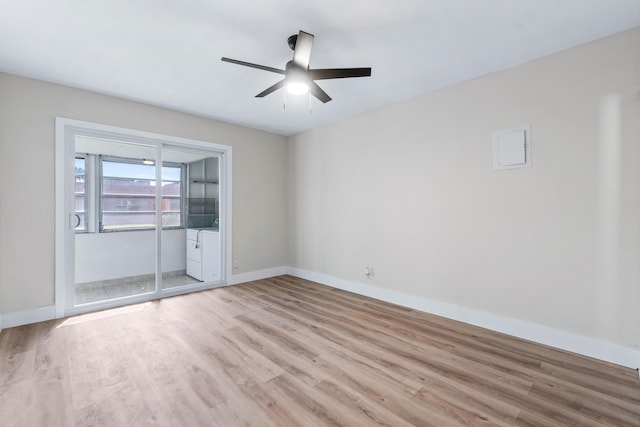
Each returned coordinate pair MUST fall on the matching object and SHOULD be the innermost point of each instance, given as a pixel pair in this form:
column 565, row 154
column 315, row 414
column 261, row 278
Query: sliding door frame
column 66, row 131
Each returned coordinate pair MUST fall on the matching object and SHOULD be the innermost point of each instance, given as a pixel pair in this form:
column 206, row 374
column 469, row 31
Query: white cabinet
column 203, row 254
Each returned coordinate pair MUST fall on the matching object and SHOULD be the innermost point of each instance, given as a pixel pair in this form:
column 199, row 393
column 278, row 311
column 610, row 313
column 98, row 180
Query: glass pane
column 128, row 196
column 80, row 196
column 128, row 170
column 111, row 186
column 116, row 265
column 130, row 187
column 128, row 220
column 171, row 188
column 171, row 173
column 80, row 212
column 182, row 249
column 79, row 166
column 202, row 213
column 79, row 203
column 171, row 219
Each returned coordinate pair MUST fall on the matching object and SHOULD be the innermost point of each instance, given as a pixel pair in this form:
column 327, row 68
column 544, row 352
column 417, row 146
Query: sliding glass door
column 139, row 216
column 115, row 200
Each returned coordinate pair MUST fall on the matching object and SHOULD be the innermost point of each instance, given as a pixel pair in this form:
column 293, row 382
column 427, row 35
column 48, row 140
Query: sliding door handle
column 74, row 221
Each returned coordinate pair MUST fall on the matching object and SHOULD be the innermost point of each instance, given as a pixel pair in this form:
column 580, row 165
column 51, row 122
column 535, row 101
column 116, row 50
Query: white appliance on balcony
column 203, row 254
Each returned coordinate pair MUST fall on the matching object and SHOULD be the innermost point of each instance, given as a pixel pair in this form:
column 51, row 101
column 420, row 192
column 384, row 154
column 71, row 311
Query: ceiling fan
column 298, row 77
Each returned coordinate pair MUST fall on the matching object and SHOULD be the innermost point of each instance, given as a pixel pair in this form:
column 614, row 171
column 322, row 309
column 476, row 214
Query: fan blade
column 302, row 53
column 249, row 64
column 270, row 89
column 339, row 73
column 318, row 92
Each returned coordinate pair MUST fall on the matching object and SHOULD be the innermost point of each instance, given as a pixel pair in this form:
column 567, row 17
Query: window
column 126, row 194
column 80, row 194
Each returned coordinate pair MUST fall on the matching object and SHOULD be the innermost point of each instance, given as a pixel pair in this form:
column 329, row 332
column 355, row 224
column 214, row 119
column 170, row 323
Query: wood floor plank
column 47, row 403
column 291, row 363
column 478, row 408
column 288, row 352
column 369, row 411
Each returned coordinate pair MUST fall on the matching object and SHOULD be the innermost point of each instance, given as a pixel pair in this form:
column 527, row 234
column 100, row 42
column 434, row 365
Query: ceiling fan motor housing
column 291, row 41
column 291, row 67
column 295, row 73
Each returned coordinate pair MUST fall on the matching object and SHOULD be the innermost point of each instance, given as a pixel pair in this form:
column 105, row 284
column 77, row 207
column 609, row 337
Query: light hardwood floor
column 285, row 351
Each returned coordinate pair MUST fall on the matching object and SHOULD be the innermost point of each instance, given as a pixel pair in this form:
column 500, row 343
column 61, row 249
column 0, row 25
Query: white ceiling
column 167, row 52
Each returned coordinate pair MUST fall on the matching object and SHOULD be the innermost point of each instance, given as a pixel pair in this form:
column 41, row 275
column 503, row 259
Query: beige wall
column 27, row 112
column 409, row 190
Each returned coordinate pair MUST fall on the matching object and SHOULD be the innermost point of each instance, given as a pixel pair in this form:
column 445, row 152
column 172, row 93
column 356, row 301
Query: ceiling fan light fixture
column 297, row 87
column 297, row 81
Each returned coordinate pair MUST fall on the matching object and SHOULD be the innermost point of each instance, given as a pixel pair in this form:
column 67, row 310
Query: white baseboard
column 256, row 275
column 591, row 347
column 24, row 317
column 41, row 314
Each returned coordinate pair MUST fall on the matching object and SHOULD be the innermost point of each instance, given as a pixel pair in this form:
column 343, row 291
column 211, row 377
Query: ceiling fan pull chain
column 284, row 99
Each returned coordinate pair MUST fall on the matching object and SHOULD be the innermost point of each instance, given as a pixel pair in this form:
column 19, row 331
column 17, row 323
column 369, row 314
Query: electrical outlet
column 236, row 264
column 368, row 272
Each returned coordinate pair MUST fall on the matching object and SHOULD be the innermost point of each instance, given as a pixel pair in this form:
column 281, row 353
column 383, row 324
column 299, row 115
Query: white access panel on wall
column 512, row 148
